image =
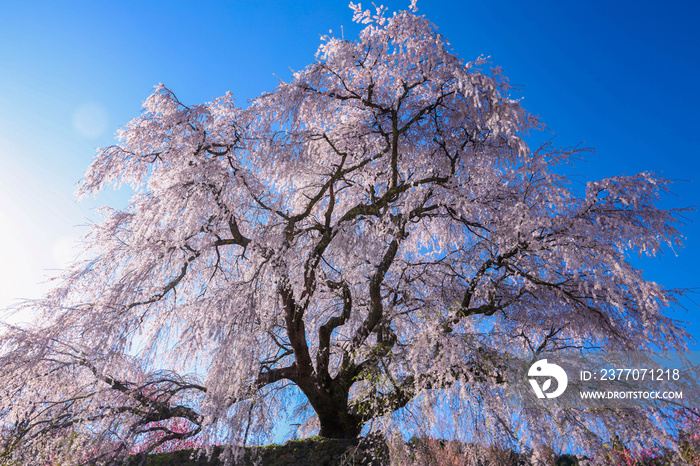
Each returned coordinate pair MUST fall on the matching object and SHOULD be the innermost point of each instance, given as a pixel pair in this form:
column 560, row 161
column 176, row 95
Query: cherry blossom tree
column 368, row 236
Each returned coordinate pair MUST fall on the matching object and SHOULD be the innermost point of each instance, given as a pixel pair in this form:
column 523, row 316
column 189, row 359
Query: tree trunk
column 331, row 406
column 341, row 425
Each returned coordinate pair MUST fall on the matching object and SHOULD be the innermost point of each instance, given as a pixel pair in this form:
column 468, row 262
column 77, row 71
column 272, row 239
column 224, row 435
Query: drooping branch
column 407, row 388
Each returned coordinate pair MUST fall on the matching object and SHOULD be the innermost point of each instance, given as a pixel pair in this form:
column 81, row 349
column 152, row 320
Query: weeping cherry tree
column 369, row 234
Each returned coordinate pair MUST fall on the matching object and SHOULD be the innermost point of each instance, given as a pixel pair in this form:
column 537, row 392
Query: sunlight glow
column 91, row 120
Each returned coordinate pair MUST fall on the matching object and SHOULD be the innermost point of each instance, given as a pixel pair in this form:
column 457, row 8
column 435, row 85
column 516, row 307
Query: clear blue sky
column 617, row 76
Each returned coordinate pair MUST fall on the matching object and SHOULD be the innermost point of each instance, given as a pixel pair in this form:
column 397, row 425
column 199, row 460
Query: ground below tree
column 319, row 451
